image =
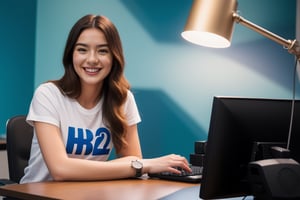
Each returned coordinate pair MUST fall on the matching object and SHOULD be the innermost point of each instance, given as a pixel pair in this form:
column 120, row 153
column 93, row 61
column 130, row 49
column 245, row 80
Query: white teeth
column 92, row 70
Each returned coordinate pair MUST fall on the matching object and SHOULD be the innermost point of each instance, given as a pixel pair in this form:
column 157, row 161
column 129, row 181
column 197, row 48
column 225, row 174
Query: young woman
column 79, row 118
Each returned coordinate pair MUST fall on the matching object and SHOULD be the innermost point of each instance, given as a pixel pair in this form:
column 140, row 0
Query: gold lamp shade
column 210, row 23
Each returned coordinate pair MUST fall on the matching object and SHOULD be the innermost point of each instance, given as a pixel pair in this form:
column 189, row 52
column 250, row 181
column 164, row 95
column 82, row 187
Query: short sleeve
column 131, row 110
column 44, row 106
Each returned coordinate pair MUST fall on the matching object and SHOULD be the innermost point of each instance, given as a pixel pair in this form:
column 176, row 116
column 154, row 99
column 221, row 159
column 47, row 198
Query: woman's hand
column 167, row 163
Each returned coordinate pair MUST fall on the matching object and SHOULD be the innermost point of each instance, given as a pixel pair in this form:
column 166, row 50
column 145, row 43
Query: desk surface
column 133, row 189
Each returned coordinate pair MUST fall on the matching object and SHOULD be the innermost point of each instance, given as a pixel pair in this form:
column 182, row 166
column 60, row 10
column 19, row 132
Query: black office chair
column 18, row 143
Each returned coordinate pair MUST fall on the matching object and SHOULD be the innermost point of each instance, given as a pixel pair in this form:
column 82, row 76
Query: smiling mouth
column 92, row 70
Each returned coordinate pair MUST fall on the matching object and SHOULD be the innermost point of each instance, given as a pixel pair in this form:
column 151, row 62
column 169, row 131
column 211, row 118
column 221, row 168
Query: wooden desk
column 131, row 189
column 2, row 144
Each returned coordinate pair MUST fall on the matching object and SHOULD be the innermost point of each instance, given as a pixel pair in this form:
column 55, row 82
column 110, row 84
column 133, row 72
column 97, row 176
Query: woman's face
column 92, row 58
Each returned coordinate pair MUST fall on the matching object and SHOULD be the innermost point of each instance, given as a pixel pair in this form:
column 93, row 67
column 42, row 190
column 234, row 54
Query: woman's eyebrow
column 86, row 45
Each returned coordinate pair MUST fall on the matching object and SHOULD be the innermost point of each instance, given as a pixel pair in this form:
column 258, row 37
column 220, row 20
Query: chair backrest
column 18, row 143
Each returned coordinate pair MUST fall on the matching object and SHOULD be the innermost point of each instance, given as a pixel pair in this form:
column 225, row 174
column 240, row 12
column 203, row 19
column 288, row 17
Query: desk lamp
column 210, row 23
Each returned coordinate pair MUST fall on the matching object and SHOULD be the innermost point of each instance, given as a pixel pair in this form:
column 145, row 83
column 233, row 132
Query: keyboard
column 190, row 177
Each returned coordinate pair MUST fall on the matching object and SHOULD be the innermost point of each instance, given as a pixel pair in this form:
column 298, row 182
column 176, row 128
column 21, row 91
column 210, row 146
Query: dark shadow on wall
column 163, row 19
column 165, row 127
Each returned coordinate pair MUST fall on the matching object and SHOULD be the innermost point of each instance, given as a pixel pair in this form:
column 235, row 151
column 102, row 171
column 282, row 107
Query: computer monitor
column 237, row 127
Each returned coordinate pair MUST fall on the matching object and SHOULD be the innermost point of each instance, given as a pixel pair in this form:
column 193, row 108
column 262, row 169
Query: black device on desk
column 243, row 129
column 196, row 161
column 2, row 142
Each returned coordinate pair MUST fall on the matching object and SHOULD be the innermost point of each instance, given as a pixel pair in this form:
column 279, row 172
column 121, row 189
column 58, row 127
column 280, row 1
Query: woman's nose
column 92, row 58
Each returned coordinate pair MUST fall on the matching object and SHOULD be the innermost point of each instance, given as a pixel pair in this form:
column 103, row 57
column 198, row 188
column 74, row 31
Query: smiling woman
column 81, row 117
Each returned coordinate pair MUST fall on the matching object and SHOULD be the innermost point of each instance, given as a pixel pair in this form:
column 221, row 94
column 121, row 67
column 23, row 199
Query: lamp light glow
column 206, row 39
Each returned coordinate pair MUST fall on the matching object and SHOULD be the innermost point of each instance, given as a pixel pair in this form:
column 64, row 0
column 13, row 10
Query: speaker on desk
column 275, row 179
column 197, row 158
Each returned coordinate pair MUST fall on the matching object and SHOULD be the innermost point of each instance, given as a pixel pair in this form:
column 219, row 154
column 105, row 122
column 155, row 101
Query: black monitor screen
column 237, row 127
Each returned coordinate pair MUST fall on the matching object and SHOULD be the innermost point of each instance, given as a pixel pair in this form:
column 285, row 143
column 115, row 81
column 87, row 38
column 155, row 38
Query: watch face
column 137, row 164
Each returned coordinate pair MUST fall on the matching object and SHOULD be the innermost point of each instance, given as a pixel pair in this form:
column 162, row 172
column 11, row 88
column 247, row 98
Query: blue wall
column 17, row 39
column 174, row 81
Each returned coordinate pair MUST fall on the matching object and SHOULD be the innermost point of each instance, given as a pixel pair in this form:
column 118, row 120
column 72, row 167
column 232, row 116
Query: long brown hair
column 115, row 84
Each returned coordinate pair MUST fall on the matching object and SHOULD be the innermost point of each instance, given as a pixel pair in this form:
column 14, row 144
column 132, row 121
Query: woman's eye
column 81, row 50
column 103, row 51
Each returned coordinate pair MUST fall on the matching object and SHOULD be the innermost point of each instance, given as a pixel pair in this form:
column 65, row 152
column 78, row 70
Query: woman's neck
column 90, row 96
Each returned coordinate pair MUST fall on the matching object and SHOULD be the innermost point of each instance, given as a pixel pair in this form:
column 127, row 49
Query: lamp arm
column 292, row 46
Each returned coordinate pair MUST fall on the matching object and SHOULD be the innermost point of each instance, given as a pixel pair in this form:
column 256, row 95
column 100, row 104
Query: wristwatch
column 138, row 166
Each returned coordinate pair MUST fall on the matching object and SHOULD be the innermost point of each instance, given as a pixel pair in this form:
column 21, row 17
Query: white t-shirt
column 83, row 132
